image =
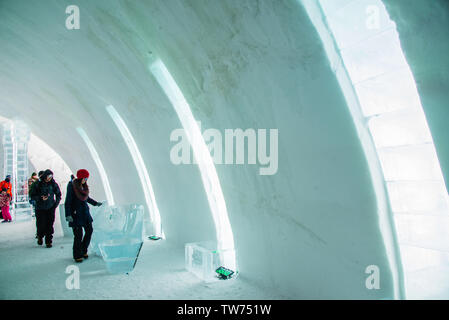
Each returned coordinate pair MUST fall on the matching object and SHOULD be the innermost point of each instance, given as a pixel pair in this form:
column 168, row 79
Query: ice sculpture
column 118, row 235
column 203, row 259
column 16, row 135
column 120, row 255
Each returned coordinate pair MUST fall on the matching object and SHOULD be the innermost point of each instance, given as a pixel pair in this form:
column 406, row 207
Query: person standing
column 47, row 195
column 78, row 215
column 32, row 182
column 7, row 185
column 32, row 179
column 5, row 198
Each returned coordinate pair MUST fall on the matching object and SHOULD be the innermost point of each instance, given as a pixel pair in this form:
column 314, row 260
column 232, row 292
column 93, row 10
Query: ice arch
column 362, row 35
column 42, row 157
column 209, row 176
column 99, row 163
column 141, row 169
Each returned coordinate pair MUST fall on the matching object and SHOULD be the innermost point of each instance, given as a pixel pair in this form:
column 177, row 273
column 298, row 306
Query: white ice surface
column 28, row 271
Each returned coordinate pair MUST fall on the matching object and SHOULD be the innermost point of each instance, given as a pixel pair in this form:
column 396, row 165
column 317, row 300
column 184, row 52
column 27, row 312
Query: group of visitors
column 45, row 196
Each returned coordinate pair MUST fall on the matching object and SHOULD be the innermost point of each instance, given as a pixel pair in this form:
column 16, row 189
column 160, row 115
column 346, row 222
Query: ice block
column 203, row 259
column 66, row 230
column 116, row 222
column 118, row 235
column 120, row 255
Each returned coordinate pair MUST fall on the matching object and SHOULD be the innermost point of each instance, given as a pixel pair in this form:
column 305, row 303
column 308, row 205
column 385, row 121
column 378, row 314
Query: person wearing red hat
column 78, row 215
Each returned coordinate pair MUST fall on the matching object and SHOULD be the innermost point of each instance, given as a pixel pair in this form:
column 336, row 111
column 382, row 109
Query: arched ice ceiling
column 308, row 231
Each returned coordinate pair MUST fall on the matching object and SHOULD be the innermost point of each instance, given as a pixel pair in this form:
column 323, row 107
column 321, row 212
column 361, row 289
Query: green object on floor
column 224, row 273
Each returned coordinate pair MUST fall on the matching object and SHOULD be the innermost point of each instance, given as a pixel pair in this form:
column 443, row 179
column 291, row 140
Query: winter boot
column 85, row 256
column 48, row 241
column 40, row 241
column 79, row 260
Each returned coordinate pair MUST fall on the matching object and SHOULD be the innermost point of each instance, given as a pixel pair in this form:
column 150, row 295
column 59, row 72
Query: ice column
column 16, row 135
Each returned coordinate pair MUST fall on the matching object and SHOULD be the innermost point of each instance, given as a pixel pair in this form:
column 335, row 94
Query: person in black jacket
column 46, row 195
column 78, row 215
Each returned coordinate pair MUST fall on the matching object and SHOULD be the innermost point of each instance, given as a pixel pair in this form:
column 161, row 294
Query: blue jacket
column 77, row 209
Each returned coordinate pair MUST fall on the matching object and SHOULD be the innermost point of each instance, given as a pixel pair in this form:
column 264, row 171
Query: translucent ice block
column 418, row 197
column 422, row 258
column 379, row 55
column 66, row 230
column 116, row 222
column 22, row 212
column 120, row 255
column 424, row 231
column 400, row 128
column 352, row 21
column 426, row 272
column 203, row 258
column 410, row 163
column 118, row 235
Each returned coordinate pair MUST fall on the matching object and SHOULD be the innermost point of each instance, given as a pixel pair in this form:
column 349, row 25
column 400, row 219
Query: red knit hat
column 82, row 173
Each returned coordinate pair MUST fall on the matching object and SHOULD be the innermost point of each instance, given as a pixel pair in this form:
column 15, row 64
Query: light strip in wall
column 141, row 170
column 97, row 160
column 225, row 238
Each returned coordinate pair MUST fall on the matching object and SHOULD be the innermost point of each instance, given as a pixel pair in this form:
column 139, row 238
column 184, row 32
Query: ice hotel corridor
column 240, row 149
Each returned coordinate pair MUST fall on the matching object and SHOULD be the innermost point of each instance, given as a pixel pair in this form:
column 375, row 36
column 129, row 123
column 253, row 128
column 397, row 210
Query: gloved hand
column 69, row 219
column 99, row 204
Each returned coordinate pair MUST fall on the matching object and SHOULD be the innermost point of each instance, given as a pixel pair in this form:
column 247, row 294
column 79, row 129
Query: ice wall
column 310, row 230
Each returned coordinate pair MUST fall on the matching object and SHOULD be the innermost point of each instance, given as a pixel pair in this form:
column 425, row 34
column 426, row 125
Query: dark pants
column 44, row 224
column 80, row 243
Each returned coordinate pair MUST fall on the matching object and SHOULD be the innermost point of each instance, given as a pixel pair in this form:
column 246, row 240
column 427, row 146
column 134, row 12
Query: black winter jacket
column 77, row 209
column 50, row 189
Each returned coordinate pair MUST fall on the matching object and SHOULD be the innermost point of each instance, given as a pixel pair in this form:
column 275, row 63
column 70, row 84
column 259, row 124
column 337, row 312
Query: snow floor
column 29, row 271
